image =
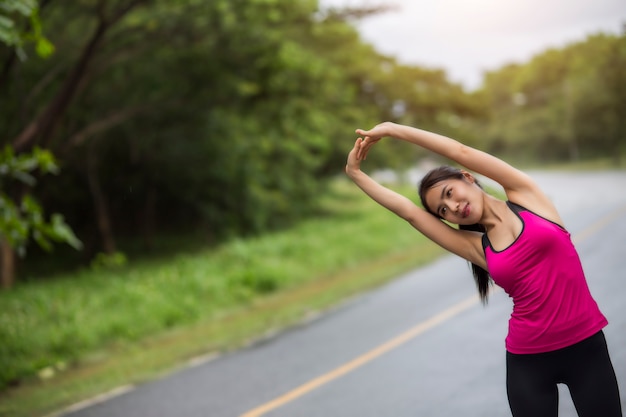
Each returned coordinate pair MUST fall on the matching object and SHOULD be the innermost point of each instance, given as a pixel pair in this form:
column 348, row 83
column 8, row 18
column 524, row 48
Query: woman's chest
column 506, row 232
column 537, row 248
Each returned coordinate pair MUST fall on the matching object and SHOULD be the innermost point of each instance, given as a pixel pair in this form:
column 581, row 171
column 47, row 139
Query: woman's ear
column 469, row 177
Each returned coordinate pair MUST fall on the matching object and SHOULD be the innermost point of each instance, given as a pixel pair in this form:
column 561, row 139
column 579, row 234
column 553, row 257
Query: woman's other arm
column 463, row 243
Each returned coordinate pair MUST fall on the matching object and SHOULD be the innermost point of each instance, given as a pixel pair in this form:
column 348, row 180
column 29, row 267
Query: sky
column 468, row 37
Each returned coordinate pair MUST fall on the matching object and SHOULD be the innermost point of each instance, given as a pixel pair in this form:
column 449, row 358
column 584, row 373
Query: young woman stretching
column 555, row 330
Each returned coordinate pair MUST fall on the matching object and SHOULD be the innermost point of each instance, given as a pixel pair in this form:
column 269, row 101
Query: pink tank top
column 541, row 271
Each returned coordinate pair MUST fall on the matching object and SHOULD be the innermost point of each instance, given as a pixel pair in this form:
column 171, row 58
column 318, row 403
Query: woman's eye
column 449, row 193
column 443, row 211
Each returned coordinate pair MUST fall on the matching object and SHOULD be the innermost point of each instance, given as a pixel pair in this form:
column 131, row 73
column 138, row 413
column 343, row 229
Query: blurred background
column 168, row 159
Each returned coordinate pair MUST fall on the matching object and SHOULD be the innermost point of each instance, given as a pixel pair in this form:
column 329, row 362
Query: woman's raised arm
column 518, row 186
column 473, row 159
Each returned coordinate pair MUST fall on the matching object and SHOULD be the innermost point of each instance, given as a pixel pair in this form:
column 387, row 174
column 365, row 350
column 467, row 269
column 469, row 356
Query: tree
column 564, row 104
column 21, row 216
column 221, row 117
column 600, row 96
column 42, row 127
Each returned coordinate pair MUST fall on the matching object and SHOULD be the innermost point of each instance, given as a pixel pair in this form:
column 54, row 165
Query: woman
column 555, row 330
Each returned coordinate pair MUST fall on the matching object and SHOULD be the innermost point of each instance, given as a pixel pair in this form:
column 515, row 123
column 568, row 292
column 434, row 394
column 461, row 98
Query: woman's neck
column 495, row 212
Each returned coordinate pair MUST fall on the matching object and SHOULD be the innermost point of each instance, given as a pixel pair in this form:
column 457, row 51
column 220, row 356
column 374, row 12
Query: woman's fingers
column 366, row 144
column 374, row 134
column 362, row 149
column 353, row 162
column 370, row 137
column 363, row 144
column 356, row 150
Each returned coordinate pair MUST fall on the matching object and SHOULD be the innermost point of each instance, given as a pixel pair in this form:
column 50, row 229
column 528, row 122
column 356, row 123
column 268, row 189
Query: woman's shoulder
column 536, row 202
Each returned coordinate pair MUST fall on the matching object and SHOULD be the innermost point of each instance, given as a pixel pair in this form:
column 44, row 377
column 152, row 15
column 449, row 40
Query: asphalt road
column 420, row 346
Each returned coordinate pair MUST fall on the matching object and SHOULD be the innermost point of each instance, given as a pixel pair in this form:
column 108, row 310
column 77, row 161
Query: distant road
column 420, row 346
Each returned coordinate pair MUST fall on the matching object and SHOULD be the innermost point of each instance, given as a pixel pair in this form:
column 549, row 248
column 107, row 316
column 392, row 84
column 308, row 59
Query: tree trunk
column 101, row 208
column 45, row 124
column 7, row 264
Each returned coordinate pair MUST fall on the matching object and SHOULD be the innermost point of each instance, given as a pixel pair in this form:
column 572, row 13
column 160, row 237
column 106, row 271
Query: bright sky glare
column 467, row 37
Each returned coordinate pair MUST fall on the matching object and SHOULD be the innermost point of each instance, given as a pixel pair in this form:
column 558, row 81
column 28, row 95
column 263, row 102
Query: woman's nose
column 453, row 206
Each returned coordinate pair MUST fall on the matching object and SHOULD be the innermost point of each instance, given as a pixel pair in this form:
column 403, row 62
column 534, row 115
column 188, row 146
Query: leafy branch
column 11, row 12
column 23, row 218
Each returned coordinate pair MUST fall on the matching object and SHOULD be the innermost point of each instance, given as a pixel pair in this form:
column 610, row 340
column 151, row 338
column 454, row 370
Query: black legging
column 584, row 367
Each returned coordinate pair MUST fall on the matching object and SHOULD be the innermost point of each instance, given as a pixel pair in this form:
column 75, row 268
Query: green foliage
column 12, row 15
column 108, row 261
column 19, row 167
column 24, row 218
column 223, row 116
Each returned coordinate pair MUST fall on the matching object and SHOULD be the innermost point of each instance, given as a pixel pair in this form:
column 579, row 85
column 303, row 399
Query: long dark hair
column 435, row 176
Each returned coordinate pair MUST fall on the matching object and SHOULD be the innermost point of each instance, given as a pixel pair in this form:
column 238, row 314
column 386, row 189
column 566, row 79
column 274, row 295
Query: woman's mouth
column 466, row 211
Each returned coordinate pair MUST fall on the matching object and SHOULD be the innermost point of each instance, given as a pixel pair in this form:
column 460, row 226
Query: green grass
column 72, row 337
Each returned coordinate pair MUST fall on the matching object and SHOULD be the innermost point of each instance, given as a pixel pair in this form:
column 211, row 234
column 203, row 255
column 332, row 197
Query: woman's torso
column 541, row 271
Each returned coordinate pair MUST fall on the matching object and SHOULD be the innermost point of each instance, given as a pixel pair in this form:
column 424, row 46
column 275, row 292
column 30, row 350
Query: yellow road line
column 365, row 358
column 402, row 338
column 606, row 220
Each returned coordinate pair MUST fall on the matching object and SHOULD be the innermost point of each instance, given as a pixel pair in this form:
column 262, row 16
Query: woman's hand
column 370, row 137
column 354, row 162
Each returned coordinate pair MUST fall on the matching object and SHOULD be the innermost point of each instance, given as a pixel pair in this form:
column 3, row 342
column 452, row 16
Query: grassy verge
column 73, row 337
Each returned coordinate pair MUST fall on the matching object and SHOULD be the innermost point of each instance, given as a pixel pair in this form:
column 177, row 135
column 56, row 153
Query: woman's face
column 458, row 201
